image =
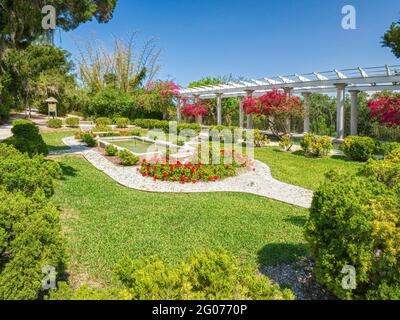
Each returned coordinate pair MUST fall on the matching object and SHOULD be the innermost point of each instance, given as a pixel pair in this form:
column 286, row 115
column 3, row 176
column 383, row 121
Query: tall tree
column 21, row 20
column 391, row 39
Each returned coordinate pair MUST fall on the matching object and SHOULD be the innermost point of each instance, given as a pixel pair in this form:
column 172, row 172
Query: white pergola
column 355, row 80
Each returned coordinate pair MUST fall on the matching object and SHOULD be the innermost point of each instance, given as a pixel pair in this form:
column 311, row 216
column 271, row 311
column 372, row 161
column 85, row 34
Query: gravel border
column 259, row 182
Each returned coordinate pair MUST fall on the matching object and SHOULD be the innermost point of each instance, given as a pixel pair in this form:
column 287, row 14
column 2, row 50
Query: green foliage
column 103, row 121
column 286, row 143
column 31, row 239
column 165, row 125
column 388, row 147
column 102, row 128
column 4, row 112
column 55, row 123
column 260, row 139
column 72, row 122
column 127, row 158
column 89, row 140
column 109, row 102
column 354, row 221
column 26, row 138
column 137, row 132
column 315, row 145
column 360, row 148
column 19, row 172
column 111, row 150
column 122, row 122
column 391, row 39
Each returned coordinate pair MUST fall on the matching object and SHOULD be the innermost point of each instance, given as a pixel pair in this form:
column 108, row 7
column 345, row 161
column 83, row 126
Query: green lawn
column 104, row 221
column 297, row 169
column 54, row 139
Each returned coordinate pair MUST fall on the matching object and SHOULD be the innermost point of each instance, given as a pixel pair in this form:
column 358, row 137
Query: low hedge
column 26, row 138
column 122, row 123
column 360, row 148
column 165, row 125
column 206, row 275
column 55, row 123
column 103, row 121
column 72, row 122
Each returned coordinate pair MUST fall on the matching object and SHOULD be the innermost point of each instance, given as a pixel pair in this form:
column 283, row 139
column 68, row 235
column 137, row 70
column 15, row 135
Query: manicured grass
column 297, row 169
column 54, row 139
column 104, row 221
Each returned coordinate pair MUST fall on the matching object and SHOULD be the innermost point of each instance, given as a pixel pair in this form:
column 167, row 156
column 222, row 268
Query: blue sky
column 250, row 38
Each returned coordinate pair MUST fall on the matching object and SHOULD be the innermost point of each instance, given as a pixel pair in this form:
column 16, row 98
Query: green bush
column 111, row 150
column 102, row 128
column 165, row 125
column 127, row 158
column 286, row 143
column 315, row 145
column 110, row 102
column 137, row 132
column 360, row 148
column 355, row 221
column 72, row 122
column 30, row 239
column 89, row 140
column 103, row 121
column 26, row 138
column 206, row 276
column 122, row 122
column 55, row 123
column 19, row 172
column 260, row 139
column 388, row 147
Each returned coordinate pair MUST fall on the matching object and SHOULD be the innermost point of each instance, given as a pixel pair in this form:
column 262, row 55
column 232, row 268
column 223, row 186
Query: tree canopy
column 391, row 39
column 21, row 20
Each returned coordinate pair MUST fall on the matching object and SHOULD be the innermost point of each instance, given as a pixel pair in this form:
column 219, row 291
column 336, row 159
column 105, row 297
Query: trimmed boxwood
column 103, row 121
column 26, row 138
column 55, row 123
column 122, row 123
column 72, row 122
column 360, row 148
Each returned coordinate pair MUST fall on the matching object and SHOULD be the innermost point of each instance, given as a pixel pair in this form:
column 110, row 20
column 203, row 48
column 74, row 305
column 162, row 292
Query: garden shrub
column 127, row 158
column 26, row 138
column 286, row 143
column 72, row 122
column 55, row 123
column 315, row 145
column 360, row 148
column 122, row 122
column 102, row 128
column 103, row 121
column 260, row 139
column 206, row 276
column 111, row 150
column 388, row 147
column 19, row 172
column 165, row 125
column 89, row 140
column 31, row 239
column 355, row 221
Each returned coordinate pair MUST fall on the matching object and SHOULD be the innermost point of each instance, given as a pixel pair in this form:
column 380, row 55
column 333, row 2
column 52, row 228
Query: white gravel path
column 259, row 182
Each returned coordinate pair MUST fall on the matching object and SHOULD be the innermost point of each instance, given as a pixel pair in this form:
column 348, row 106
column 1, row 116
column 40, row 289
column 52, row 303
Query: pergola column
column 241, row 114
column 354, row 112
column 199, row 119
column 249, row 93
column 178, row 110
column 341, row 96
column 288, row 92
column 219, row 109
column 307, row 103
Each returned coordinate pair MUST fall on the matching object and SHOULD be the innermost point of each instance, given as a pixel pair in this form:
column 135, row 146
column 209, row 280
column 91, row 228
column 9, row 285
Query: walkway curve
column 259, row 182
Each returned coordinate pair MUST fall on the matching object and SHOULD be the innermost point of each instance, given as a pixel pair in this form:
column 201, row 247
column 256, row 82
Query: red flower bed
column 160, row 169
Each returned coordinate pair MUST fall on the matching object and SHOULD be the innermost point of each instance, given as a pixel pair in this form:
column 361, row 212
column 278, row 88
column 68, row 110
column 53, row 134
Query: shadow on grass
column 67, row 171
column 297, row 221
column 278, row 253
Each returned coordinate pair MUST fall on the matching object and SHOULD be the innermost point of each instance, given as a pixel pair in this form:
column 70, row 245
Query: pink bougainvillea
column 386, row 110
column 197, row 109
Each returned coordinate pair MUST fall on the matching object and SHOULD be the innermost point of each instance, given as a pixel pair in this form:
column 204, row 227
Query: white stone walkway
column 259, row 182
